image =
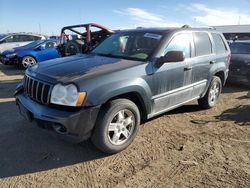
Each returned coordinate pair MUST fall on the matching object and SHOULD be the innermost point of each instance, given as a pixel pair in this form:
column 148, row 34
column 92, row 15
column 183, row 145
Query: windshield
column 34, row 44
column 133, row 45
column 240, row 48
column 2, row 36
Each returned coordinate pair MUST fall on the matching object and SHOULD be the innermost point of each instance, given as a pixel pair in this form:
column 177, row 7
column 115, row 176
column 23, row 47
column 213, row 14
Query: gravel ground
column 187, row 147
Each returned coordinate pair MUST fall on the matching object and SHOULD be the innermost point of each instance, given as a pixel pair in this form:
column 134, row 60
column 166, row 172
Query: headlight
column 67, row 95
column 11, row 55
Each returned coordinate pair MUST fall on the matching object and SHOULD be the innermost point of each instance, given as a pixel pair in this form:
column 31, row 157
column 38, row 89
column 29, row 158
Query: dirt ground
column 187, row 147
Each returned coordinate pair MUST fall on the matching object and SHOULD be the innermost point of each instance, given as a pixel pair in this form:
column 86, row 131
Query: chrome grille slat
column 42, row 92
column 37, row 90
column 28, row 88
column 32, row 88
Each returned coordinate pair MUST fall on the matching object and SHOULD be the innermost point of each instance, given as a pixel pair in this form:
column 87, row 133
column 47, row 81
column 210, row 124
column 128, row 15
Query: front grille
column 37, row 90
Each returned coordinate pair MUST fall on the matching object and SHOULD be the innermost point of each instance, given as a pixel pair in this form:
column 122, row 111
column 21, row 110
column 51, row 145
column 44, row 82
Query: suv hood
column 78, row 67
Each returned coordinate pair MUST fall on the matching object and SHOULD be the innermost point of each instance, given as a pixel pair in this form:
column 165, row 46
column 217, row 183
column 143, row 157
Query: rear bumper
column 73, row 126
column 241, row 75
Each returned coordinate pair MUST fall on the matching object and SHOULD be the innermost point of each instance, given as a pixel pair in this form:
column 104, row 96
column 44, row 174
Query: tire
column 212, row 95
column 28, row 61
column 116, row 127
column 74, row 47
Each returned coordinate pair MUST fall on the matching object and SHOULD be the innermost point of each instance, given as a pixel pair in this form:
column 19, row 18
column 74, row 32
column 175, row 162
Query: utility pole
column 239, row 20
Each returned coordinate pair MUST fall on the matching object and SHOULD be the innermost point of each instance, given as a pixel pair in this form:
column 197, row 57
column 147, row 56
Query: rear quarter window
column 220, row 46
column 203, row 45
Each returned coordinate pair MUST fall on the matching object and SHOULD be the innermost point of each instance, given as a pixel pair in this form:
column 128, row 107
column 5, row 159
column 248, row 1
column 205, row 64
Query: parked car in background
column 32, row 53
column 132, row 75
column 14, row 40
column 82, row 38
column 239, row 69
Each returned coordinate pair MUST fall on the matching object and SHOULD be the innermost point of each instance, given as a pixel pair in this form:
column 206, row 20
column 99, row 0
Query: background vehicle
column 31, row 53
column 17, row 39
column 239, row 69
column 131, row 76
column 82, row 38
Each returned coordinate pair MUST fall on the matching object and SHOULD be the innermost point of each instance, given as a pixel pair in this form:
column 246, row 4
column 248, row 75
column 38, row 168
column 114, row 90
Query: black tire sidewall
column 100, row 135
column 76, row 46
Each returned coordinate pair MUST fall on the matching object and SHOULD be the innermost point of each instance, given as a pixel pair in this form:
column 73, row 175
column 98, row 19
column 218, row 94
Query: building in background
column 231, row 32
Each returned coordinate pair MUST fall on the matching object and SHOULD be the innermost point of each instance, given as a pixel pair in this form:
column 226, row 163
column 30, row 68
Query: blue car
column 32, row 53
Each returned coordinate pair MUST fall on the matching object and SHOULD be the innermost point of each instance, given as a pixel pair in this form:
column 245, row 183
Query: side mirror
column 170, row 57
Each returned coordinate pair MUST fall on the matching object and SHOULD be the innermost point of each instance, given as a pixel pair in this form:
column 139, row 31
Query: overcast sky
column 49, row 16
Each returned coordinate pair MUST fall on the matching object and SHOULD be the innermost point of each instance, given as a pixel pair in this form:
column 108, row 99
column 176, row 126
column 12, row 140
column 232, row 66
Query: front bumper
column 73, row 126
column 9, row 60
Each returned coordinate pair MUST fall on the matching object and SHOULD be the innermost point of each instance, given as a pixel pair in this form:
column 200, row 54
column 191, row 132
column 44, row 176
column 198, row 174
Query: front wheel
column 212, row 95
column 117, row 126
column 28, row 61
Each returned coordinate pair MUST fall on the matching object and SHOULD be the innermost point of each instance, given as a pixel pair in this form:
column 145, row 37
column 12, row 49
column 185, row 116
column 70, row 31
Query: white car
column 14, row 40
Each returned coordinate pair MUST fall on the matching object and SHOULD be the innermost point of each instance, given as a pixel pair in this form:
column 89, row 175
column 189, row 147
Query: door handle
column 187, row 68
column 212, row 62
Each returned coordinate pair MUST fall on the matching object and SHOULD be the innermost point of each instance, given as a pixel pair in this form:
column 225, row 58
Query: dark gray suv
column 132, row 75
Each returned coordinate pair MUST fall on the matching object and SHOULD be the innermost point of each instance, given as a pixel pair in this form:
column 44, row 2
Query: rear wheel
column 212, row 95
column 117, row 126
column 28, row 61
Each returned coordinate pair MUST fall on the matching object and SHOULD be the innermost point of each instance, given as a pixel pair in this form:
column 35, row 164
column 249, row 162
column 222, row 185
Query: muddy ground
column 187, row 147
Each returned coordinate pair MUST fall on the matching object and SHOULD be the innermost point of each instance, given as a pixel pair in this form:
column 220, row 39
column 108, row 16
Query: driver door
column 48, row 51
column 170, row 79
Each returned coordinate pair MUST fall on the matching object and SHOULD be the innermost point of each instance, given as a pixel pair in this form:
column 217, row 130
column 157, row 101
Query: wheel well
column 137, row 99
column 26, row 56
column 221, row 75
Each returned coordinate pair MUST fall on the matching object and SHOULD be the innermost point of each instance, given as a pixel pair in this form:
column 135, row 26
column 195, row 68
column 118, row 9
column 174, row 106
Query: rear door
column 48, row 51
column 222, row 51
column 25, row 39
column 203, row 58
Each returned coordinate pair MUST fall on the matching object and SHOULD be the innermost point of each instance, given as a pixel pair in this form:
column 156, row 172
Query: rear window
column 219, row 44
column 25, row 38
column 240, row 48
column 203, row 44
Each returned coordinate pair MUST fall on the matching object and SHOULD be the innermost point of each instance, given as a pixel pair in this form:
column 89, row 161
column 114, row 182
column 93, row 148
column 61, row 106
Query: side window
column 50, row 45
column 220, row 46
column 29, row 38
column 180, row 42
column 13, row 38
column 24, row 38
column 10, row 39
column 36, row 38
column 202, row 43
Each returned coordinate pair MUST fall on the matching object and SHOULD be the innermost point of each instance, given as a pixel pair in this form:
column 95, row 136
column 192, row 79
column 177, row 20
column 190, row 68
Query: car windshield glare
column 33, row 44
column 2, row 36
column 240, row 48
column 131, row 45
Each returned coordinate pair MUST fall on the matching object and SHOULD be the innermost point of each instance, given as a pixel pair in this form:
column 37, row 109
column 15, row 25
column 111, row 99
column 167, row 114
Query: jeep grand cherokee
column 132, row 75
